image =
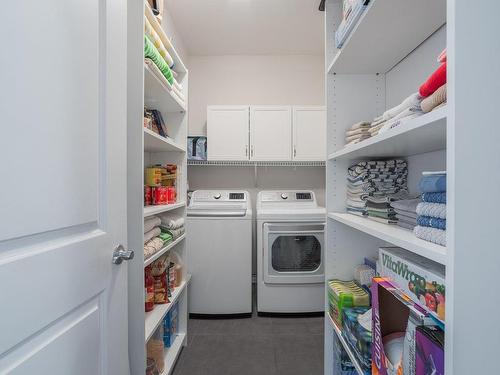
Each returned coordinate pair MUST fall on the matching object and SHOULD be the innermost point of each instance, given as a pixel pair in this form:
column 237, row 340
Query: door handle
column 120, row 254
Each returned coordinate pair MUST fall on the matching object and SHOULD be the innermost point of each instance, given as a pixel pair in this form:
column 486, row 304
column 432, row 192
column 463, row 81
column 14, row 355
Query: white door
column 270, row 133
column 227, row 133
column 63, row 191
column 309, row 133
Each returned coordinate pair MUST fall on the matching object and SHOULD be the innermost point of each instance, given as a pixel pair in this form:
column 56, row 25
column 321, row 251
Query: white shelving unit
column 146, row 148
column 390, row 52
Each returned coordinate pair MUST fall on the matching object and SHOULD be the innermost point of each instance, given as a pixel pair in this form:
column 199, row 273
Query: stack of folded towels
column 408, row 109
column 154, row 237
column 431, row 220
column 433, row 90
column 406, row 212
column 372, row 185
column 173, row 225
column 357, row 133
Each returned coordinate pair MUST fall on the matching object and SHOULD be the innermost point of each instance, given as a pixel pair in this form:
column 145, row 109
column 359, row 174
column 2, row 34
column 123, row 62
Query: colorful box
column 430, row 351
column 171, row 326
column 394, row 315
column 422, row 279
column 343, row 294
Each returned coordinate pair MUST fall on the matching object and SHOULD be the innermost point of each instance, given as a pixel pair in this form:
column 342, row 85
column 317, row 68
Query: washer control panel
column 216, row 196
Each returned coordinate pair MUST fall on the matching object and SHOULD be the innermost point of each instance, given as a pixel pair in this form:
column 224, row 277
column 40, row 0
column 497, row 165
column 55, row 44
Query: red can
column 160, row 195
column 171, row 194
column 148, row 201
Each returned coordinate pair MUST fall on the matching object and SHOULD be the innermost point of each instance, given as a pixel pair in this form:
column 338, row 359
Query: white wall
column 264, row 80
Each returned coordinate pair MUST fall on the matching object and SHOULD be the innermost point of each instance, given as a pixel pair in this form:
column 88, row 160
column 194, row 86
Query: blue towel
column 433, row 183
column 438, row 197
column 431, row 222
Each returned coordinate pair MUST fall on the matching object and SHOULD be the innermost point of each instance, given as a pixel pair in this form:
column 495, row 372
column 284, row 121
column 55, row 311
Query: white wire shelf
column 248, row 163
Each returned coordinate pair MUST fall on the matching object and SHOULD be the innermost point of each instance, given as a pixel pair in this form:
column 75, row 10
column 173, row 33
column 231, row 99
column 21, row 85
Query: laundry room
column 249, row 187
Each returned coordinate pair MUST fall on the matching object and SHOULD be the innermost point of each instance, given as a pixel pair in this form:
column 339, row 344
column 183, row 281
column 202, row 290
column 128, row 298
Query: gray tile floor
column 257, row 345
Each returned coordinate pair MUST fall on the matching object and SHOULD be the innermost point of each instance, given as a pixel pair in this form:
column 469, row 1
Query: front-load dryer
column 290, row 253
column 219, row 252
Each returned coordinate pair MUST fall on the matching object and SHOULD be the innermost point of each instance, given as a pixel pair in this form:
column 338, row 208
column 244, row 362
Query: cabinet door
column 227, row 133
column 270, row 133
column 309, row 133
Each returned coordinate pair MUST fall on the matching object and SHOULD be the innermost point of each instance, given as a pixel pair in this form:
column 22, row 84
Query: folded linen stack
column 172, row 224
column 406, row 212
column 351, row 13
column 154, row 238
column 372, row 185
column 357, row 133
column 431, row 220
column 408, row 109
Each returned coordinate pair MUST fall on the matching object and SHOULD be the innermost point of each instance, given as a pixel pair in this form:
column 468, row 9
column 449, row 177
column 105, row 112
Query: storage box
column 430, row 351
column 422, row 279
column 394, row 315
column 171, row 326
column 358, row 337
column 343, row 294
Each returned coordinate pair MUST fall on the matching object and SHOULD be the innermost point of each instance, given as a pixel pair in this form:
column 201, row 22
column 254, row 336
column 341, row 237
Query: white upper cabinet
column 309, row 133
column 270, row 133
column 227, row 133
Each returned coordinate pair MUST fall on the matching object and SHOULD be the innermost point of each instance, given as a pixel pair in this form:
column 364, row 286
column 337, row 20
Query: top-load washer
column 290, row 252
column 219, row 252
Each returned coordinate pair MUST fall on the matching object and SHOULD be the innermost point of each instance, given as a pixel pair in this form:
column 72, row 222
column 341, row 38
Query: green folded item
column 152, row 52
column 383, row 215
column 166, row 237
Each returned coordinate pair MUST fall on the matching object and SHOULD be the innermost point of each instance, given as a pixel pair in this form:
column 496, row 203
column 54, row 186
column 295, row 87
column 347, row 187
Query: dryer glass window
column 296, row 254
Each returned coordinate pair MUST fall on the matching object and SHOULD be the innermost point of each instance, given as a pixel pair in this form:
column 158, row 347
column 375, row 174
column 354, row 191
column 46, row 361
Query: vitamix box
column 420, row 278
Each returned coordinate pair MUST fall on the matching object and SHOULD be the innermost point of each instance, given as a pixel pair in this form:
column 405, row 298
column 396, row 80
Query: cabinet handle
column 294, row 151
column 246, row 150
column 251, row 151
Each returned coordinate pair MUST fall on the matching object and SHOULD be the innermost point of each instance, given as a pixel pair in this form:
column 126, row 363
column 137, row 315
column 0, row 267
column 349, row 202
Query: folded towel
column 406, row 218
column 156, row 40
column 176, row 233
column 151, row 234
column 356, row 211
column 411, row 101
column 360, row 125
column 382, row 220
column 150, row 51
column 355, row 204
column 383, row 215
column 438, row 97
column 151, row 222
column 360, row 131
column 405, row 225
column 393, row 123
column 153, row 246
column 166, row 237
column 435, row 81
column 433, row 183
column 432, row 222
column 437, row 210
column 437, row 197
column 433, row 235
column 361, row 137
column 409, row 205
column 172, row 221
column 407, row 215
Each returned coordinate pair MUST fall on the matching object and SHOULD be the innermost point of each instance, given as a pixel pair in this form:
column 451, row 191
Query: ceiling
column 249, row 27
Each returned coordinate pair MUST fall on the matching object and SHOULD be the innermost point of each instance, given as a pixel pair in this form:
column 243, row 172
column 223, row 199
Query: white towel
column 433, row 235
column 150, row 223
column 151, row 234
column 172, row 221
column 411, row 101
column 432, row 209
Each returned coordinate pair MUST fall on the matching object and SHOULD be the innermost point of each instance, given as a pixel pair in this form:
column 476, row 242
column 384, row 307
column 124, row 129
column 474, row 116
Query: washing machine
column 219, row 252
column 290, row 253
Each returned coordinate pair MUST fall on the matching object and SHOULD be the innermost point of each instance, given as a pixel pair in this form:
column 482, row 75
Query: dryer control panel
column 219, row 196
column 287, row 196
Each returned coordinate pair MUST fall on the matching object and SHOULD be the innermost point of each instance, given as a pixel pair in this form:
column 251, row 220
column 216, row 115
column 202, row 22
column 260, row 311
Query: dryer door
column 293, row 253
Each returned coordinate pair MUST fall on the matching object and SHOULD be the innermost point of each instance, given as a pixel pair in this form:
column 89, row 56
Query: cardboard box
column 420, row 278
column 430, row 351
column 394, row 313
